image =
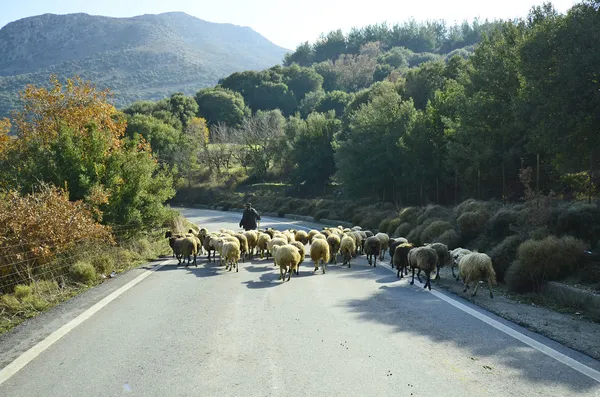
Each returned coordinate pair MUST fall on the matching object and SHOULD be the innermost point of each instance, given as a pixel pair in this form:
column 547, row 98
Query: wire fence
column 45, row 259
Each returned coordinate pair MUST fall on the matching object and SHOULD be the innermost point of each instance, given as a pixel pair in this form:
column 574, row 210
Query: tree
column 183, row 107
column 218, row 105
column 303, row 55
column 310, row 102
column 313, row 150
column 334, row 100
column 330, row 46
column 369, row 161
column 302, row 80
column 330, row 74
column 219, row 153
column 5, row 127
column 423, row 82
column 163, row 138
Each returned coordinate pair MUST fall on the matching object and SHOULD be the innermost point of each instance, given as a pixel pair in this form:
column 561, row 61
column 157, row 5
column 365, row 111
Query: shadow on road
column 410, row 312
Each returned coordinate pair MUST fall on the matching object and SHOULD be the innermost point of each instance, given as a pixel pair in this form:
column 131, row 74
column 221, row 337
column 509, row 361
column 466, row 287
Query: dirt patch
column 569, row 327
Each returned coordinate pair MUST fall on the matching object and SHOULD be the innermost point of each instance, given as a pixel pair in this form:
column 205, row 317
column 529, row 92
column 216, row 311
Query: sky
column 287, row 23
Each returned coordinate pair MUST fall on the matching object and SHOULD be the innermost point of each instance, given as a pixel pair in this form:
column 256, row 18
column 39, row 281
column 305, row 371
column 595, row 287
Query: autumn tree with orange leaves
column 71, row 136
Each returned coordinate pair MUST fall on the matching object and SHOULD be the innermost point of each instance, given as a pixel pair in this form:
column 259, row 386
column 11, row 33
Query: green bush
column 504, row 254
column 403, row 230
column 517, row 279
column 45, row 287
column 450, row 238
column 540, row 233
column 471, row 205
column 433, row 211
column 281, row 212
column 435, row 229
column 23, row 291
column 383, row 225
column 82, row 272
column 471, row 224
column 499, row 225
column 10, row 302
column 544, row 260
column 409, row 214
column 580, row 220
column 104, row 263
column 321, row 214
column 35, row 302
column 415, row 234
column 393, row 225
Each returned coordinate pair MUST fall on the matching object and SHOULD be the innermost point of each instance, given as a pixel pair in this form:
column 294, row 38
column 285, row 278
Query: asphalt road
column 351, row 332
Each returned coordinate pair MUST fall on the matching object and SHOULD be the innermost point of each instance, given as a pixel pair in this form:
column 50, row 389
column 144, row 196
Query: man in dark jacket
column 249, row 218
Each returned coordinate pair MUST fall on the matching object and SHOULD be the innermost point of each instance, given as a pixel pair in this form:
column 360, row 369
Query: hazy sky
column 286, row 23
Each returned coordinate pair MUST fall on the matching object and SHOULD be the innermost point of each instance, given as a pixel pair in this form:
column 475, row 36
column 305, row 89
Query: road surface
column 351, row 332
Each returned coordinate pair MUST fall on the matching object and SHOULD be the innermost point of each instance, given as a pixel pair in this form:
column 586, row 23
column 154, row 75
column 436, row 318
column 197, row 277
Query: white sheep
column 252, row 237
column 276, row 241
column 424, row 259
column 231, row 255
column 334, row 247
column 261, row 245
column 288, row 257
column 443, row 254
column 301, row 236
column 319, row 251
column 347, row 248
column 475, row 267
column 302, row 250
column 456, row 255
column 385, row 240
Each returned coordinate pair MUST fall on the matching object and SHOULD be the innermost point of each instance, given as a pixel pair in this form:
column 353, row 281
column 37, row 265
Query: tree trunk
column 455, row 187
column 437, row 190
column 590, row 186
column 537, row 180
column 503, row 183
column 479, row 183
column 421, row 193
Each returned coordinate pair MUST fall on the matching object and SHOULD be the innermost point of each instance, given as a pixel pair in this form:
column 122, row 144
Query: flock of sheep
column 288, row 251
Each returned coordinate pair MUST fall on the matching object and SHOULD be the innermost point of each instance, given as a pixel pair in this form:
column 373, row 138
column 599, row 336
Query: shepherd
column 249, row 218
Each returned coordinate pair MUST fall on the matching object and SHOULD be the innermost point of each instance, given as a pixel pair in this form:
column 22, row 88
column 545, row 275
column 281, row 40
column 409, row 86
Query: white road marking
column 25, row 358
column 566, row 360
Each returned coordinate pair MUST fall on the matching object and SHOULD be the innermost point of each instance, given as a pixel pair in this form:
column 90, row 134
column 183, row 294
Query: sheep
column 456, row 255
column 288, row 257
column 186, row 248
column 252, row 238
column 302, row 250
column 334, row 246
column 319, row 251
column 226, row 238
column 172, row 237
column 347, row 248
column 359, row 240
column 318, row 236
column 289, row 235
column 372, row 248
column 263, row 240
column 394, row 242
column 231, row 253
column 275, row 242
column 356, row 228
column 326, row 233
column 243, row 245
column 443, row 255
column 400, row 258
column 311, row 234
column 270, row 232
column 208, row 244
column 301, row 236
column 385, row 239
column 477, row 267
column 424, row 259
column 368, row 233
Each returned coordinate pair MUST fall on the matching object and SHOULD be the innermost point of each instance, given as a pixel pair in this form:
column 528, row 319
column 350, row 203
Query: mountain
column 143, row 57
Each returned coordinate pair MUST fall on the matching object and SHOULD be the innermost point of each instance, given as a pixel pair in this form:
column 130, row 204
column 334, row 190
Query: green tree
column 162, row 137
column 303, row 56
column 423, row 82
column 334, row 100
column 218, row 105
column 301, row 80
column 183, row 107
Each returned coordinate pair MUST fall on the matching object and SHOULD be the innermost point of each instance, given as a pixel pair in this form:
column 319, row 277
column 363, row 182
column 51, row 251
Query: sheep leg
column 428, row 282
column 323, row 262
column 413, row 276
column 490, row 285
column 437, row 276
column 290, row 274
column 281, row 274
column 418, row 275
column 466, row 286
column 476, row 288
column 316, row 266
column 237, row 267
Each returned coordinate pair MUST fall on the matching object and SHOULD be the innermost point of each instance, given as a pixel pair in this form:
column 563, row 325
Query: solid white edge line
column 566, row 360
column 7, row 372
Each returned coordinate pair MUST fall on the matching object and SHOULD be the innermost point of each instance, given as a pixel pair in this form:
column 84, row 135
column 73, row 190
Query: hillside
column 144, row 57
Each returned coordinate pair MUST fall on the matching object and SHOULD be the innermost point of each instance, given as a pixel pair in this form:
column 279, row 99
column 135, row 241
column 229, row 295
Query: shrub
column 471, row 205
column 471, row 224
column 409, row 214
column 104, row 263
column 580, row 220
column 504, row 254
column 433, row 211
column 517, row 279
column 321, row 214
column 403, row 230
column 281, row 212
column 22, row 291
column 10, row 302
column 549, row 259
column 415, row 234
column 82, row 272
column 383, row 225
column 450, row 238
column 540, row 233
column 36, row 302
column 393, row 225
column 499, row 225
column 435, row 229
column 44, row 287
